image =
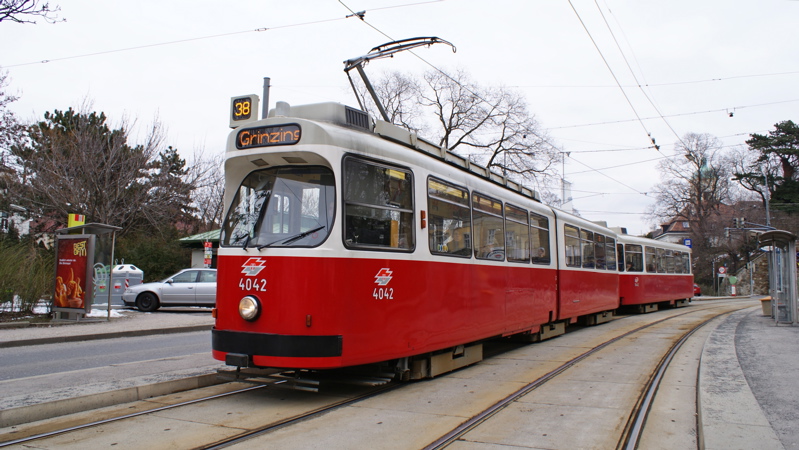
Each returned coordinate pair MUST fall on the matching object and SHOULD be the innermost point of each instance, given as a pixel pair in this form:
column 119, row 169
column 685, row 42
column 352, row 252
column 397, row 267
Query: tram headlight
column 249, row 308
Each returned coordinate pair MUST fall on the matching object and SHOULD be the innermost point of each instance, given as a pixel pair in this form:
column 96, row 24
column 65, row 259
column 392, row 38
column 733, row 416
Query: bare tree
column 19, row 10
column 208, row 196
column 10, row 128
column 398, row 92
column 491, row 126
column 695, row 184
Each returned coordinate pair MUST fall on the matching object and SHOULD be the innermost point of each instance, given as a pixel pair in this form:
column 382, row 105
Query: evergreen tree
column 74, row 162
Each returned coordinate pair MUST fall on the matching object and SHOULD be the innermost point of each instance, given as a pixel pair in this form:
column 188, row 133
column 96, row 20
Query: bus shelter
column 782, row 274
column 84, row 255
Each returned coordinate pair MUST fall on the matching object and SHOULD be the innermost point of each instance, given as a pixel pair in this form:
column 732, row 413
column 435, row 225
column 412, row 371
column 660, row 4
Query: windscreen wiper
column 292, row 238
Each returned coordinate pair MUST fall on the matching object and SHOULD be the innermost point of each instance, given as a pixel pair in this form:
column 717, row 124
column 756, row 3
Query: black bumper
column 261, row 344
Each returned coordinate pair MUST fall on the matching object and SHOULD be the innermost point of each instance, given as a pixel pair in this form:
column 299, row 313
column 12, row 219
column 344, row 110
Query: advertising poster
column 73, row 278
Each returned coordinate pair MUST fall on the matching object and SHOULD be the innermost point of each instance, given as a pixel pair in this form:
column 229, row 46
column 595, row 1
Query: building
column 197, row 245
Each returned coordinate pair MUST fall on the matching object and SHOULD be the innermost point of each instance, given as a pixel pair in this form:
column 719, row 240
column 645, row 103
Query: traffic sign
column 722, row 270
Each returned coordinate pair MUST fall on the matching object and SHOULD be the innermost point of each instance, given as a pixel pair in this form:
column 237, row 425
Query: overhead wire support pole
column 386, row 50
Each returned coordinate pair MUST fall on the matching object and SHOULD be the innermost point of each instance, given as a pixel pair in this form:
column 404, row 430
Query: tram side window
column 661, row 260
column 489, row 235
column 573, row 253
column 634, row 257
column 539, row 230
column 450, row 223
column 587, row 241
column 620, row 256
column 650, row 259
column 517, row 234
column 678, row 264
column 668, row 257
column 599, row 250
column 610, row 253
column 378, row 206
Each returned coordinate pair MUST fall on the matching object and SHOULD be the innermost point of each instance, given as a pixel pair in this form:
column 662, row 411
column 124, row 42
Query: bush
column 25, row 271
column 157, row 256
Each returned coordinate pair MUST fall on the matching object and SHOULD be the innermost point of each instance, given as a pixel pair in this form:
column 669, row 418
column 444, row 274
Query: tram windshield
column 281, row 207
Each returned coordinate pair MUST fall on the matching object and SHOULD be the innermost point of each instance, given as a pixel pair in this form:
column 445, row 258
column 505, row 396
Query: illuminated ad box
column 74, row 288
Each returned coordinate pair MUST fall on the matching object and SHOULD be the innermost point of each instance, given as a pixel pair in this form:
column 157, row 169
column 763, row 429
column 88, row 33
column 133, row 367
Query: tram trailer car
column 653, row 273
column 349, row 242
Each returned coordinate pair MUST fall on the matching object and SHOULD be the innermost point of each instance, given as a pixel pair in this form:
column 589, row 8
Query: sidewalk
column 748, row 392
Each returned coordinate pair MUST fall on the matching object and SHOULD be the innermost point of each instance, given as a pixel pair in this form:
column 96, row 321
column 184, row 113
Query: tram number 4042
column 252, row 285
column 383, row 293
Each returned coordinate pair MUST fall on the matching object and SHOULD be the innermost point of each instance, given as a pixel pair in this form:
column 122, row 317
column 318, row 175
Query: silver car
column 189, row 287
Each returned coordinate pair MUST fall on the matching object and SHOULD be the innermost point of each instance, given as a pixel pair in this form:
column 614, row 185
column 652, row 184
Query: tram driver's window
column 378, row 206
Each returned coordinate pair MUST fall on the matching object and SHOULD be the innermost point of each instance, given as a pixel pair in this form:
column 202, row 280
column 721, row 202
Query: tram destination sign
column 288, row 134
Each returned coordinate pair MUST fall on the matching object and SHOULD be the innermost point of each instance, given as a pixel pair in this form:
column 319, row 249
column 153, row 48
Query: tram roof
column 357, row 120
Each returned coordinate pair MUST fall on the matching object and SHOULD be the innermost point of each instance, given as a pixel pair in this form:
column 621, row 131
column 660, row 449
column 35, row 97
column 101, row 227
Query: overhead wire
column 673, row 115
column 647, row 84
column 434, row 67
column 211, row 36
column 591, row 169
column 612, row 73
column 361, row 16
column 635, row 77
column 638, row 84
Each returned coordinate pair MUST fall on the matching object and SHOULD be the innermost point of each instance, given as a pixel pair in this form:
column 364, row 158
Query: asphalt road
column 31, row 361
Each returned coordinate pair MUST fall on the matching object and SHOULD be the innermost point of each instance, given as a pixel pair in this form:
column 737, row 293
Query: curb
column 98, row 336
column 49, row 410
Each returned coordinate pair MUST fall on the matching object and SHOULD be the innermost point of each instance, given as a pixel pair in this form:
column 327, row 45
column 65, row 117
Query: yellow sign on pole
column 75, row 219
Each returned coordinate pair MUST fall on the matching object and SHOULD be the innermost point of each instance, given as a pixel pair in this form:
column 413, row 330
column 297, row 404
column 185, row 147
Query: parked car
column 697, row 290
column 189, row 287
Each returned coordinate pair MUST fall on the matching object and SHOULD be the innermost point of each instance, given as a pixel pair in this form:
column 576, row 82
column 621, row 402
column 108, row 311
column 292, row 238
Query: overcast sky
column 698, row 62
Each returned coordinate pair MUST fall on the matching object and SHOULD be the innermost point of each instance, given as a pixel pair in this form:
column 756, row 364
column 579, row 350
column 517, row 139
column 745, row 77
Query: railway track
column 256, row 415
column 58, row 431
column 632, row 432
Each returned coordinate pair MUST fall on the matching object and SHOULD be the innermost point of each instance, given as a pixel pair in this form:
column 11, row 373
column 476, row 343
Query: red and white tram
column 654, row 272
column 349, row 241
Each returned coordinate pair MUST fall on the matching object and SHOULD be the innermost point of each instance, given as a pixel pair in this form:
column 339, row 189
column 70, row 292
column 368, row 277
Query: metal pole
column 713, row 274
column 265, row 105
column 767, row 196
column 111, row 274
column 372, row 91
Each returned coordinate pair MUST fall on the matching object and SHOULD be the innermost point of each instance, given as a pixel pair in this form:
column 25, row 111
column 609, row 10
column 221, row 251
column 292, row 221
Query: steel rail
column 126, row 416
column 239, row 438
column 635, row 428
column 479, row 418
